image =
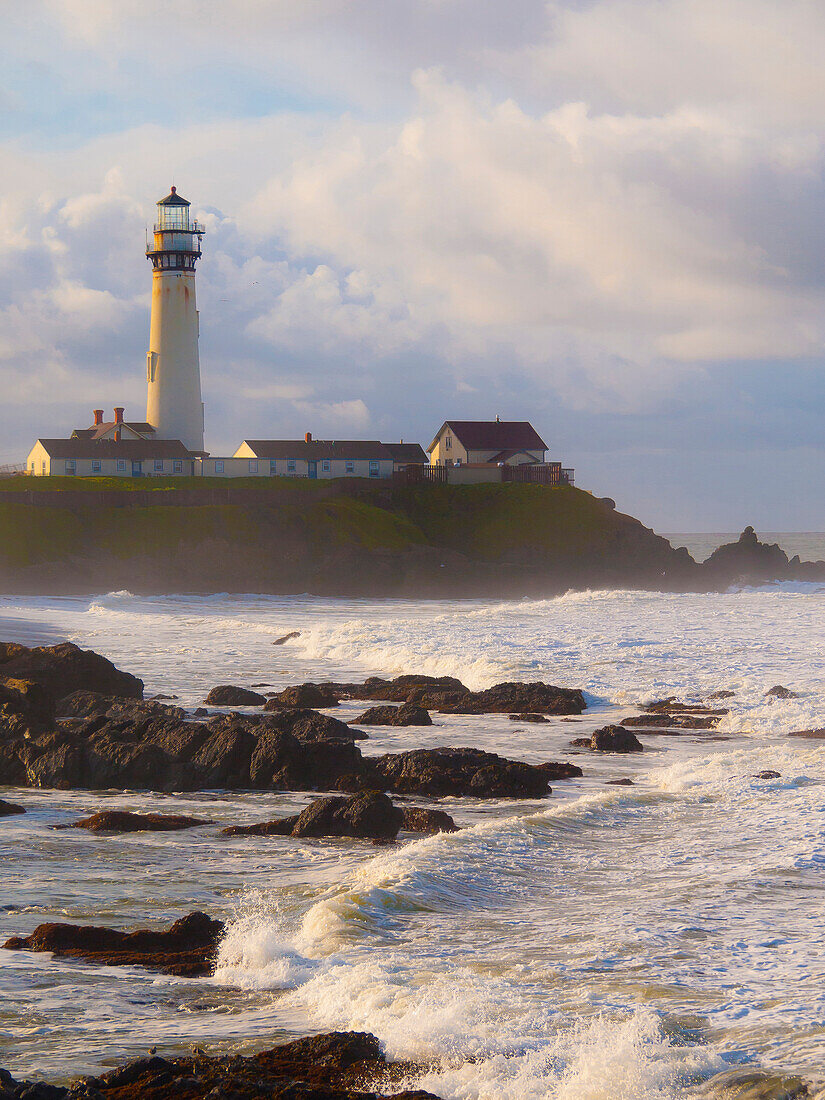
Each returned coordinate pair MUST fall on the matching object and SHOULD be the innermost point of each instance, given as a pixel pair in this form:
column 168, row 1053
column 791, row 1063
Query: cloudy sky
column 605, row 216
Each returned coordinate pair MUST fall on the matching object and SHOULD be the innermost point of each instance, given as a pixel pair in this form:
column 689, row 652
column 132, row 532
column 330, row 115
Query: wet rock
column 418, row 820
column 282, row 826
column 664, row 720
column 335, row 1066
column 65, row 668
column 456, row 771
column 7, row 809
column 303, row 695
column 611, row 739
column 721, row 695
column 811, row 735
column 450, row 696
column 152, row 747
column 187, row 949
column 93, row 704
column 742, row 1084
column 309, row 725
column 406, row 715
column 227, row 695
column 558, row 770
column 287, row 637
column 512, row 698
column 767, row 775
column 124, row 821
column 621, row 783
column 780, row 692
column 25, row 705
column 369, row 815
column 538, row 718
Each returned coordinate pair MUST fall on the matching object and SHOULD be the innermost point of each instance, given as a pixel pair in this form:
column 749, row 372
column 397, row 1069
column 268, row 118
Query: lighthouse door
column 312, row 469
column 137, row 468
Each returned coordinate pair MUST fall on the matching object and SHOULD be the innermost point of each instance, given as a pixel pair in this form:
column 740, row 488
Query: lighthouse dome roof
column 174, row 199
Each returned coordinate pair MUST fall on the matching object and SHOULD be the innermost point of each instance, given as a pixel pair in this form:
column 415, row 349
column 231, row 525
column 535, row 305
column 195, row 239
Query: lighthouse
column 174, row 406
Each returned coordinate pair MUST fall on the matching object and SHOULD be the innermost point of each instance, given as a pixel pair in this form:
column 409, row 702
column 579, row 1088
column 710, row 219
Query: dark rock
column 721, row 695
column 780, row 692
column 620, row 782
column 511, row 698
column 153, row 747
column 7, row 809
column 538, row 718
column 227, row 695
column 399, row 690
column 673, row 706
column 309, row 725
column 279, row 827
column 25, row 705
column 92, row 704
column 456, row 771
column 370, row 815
column 123, row 821
column 303, row 695
column 287, row 637
column 664, row 720
column 65, row 668
column 418, row 820
column 561, row 770
column 406, row 715
column 811, row 735
column 767, row 775
column 747, row 560
column 187, row 949
column 745, row 1084
column 336, row 1066
column 611, row 739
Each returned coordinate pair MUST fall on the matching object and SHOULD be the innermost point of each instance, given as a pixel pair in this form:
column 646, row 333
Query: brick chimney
column 118, row 416
column 98, row 416
column 308, row 437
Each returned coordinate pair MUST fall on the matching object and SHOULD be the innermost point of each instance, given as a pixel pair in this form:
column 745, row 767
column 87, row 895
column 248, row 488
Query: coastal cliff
column 343, row 538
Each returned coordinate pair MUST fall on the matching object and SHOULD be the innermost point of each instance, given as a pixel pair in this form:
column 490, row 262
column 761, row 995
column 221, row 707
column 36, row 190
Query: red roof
column 494, row 435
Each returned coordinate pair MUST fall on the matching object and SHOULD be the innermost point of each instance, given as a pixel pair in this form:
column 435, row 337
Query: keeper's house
column 110, row 458
column 487, row 442
column 314, row 458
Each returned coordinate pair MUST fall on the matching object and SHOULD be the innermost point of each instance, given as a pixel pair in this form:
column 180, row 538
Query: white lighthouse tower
column 174, row 406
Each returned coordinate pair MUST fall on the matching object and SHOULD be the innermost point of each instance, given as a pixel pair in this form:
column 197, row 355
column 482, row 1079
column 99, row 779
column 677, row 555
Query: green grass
column 31, row 536
column 156, row 484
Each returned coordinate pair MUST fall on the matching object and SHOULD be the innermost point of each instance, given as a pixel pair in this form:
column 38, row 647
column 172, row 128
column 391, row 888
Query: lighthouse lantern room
column 174, row 405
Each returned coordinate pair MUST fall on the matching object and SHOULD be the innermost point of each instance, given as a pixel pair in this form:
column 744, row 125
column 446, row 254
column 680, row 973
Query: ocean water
column 606, row 942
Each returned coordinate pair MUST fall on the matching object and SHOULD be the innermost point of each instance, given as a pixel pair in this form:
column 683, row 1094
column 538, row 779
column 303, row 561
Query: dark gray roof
column 98, row 430
column 407, row 452
column 494, row 435
column 111, row 448
column 355, row 449
column 174, row 199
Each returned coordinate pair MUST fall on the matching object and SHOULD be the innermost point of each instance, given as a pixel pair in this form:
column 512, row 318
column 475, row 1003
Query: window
column 325, row 465
column 290, row 465
column 71, row 468
column 273, row 466
column 43, row 467
column 218, row 465
column 448, row 443
column 374, row 469
column 95, row 465
column 350, row 466
column 177, row 466
column 158, row 465
column 121, row 465
column 253, row 465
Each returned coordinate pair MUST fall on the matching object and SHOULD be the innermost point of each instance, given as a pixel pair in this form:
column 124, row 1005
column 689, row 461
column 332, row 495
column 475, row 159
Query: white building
column 313, row 458
column 83, row 457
